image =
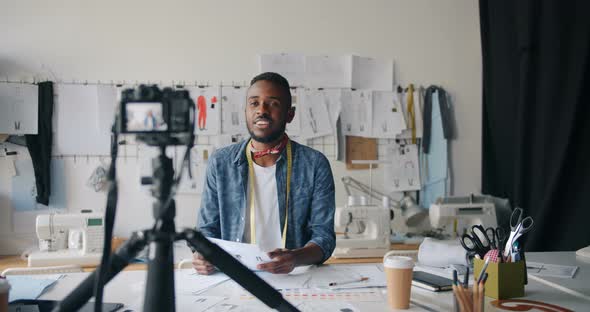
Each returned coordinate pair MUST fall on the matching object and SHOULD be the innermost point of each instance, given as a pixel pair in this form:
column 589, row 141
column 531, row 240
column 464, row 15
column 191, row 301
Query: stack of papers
column 190, row 283
column 248, row 254
column 551, row 270
column 29, row 287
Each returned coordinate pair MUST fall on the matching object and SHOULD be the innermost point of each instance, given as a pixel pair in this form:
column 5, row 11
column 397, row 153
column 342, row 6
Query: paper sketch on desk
column 29, row 287
column 285, row 281
column 357, row 112
column 77, row 130
column 294, row 127
column 388, row 119
column 371, row 73
column 314, row 115
column 402, row 173
column 196, row 303
column 24, row 189
column 321, row 277
column 289, row 65
column 188, row 281
column 233, row 103
column 323, row 306
column 199, row 157
column 551, row 270
column 249, row 254
column 208, row 109
column 327, row 71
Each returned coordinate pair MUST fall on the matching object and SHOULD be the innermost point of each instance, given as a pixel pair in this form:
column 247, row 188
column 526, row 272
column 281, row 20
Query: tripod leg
column 237, row 271
column 119, row 260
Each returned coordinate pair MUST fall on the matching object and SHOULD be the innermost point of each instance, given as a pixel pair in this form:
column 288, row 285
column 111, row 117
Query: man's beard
column 273, row 136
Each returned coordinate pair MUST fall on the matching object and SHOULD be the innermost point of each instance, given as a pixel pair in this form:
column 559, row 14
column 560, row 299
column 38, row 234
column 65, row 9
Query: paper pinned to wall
column 58, row 197
column 24, row 189
column 294, row 127
column 372, row 73
column 388, row 119
column 403, row 172
column 198, row 165
column 289, row 65
column 77, row 130
column 208, row 109
column 334, row 104
column 106, row 103
column 233, row 103
column 357, row 112
column 326, row 71
column 19, row 108
column 314, row 115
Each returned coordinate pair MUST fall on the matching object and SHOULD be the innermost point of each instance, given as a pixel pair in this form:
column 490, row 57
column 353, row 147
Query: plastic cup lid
column 398, row 262
column 4, row 286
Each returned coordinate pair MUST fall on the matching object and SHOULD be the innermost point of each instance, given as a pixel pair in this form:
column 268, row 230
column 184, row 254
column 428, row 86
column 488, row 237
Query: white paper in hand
column 249, row 255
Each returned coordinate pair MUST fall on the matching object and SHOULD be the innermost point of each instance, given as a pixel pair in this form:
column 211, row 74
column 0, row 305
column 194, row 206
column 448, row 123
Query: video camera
column 157, row 117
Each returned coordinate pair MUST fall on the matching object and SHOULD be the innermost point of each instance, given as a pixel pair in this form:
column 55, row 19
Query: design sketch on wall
column 315, row 115
column 208, row 115
column 388, row 120
column 403, row 171
column 297, row 97
column 357, row 106
column 233, row 101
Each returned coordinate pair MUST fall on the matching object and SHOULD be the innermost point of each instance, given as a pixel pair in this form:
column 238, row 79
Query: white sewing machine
column 370, row 236
column 68, row 239
column 464, row 211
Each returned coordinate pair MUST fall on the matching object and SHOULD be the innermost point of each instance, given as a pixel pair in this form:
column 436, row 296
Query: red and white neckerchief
column 273, row 150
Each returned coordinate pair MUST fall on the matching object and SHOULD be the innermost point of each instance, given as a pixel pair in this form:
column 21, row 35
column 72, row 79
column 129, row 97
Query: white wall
column 431, row 42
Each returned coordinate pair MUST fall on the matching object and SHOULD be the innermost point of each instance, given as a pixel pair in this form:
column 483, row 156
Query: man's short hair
column 277, row 80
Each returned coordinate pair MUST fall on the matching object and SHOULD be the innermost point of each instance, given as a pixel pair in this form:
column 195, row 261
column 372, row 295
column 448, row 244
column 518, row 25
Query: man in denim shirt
column 293, row 188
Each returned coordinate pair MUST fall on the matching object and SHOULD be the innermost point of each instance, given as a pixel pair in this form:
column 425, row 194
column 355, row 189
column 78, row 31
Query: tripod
column 159, row 294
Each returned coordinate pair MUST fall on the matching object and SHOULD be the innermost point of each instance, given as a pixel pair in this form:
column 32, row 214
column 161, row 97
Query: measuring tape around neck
column 252, row 196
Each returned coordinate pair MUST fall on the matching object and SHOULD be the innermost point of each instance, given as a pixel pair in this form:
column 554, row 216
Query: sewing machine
column 68, row 239
column 461, row 212
column 367, row 230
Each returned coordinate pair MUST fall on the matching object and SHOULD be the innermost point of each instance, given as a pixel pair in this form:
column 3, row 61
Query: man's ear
column 290, row 114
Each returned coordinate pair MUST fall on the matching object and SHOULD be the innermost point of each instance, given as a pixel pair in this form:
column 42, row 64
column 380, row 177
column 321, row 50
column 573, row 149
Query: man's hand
column 201, row 265
column 283, row 261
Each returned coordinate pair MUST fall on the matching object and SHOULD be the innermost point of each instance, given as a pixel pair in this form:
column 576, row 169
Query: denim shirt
column 311, row 200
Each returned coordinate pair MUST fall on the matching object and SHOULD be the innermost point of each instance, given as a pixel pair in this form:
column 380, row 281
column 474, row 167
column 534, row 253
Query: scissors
column 478, row 243
column 518, row 227
column 498, row 237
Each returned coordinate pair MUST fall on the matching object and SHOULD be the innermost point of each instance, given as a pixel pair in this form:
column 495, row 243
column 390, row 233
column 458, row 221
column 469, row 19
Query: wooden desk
column 17, row 262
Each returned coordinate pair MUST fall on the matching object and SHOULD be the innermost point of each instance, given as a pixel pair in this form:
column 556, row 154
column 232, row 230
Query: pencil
column 483, row 269
column 481, row 292
column 362, row 279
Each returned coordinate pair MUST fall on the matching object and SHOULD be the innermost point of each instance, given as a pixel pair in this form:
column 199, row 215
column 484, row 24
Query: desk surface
column 17, row 262
column 130, row 285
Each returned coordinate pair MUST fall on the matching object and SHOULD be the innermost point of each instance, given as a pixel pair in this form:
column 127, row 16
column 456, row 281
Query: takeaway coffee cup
column 399, row 280
column 4, row 288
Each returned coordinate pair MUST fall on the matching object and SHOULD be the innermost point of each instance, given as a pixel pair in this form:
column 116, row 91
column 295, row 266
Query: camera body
column 157, row 117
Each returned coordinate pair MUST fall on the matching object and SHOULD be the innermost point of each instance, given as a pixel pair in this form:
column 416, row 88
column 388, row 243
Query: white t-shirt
column 266, row 206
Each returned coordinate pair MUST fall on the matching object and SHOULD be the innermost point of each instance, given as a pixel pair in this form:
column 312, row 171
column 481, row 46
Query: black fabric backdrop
column 536, row 115
column 39, row 145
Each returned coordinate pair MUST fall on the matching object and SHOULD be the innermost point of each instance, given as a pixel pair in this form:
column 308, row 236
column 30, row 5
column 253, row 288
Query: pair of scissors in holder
column 478, row 243
column 498, row 237
column 518, row 227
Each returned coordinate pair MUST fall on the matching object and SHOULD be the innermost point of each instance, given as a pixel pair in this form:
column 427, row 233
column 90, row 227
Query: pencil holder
column 505, row 280
column 469, row 301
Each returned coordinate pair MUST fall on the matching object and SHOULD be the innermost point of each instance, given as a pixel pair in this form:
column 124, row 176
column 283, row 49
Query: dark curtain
column 39, row 145
column 536, row 115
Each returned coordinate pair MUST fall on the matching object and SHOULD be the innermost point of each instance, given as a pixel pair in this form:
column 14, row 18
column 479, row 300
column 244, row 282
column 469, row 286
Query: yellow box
column 505, row 280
